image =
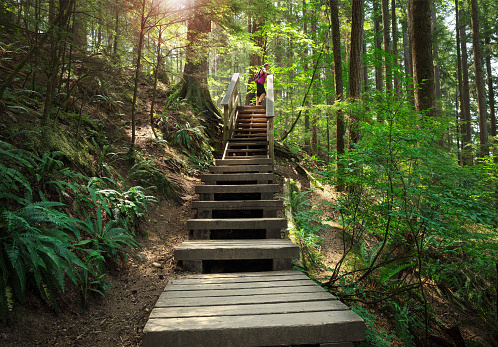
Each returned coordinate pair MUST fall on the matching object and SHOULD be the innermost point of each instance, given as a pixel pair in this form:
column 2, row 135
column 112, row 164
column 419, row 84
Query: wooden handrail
column 270, row 112
column 230, row 104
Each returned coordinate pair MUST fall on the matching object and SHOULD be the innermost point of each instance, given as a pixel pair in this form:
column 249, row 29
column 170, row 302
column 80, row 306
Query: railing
column 230, row 102
column 269, row 117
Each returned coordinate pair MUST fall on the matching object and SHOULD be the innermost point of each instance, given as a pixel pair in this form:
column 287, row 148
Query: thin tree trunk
column 355, row 77
column 491, row 93
column 387, row 46
column 435, row 52
column 339, row 88
column 379, row 83
column 137, row 75
column 460, row 111
column 465, row 96
column 397, row 87
column 479, row 78
column 307, row 105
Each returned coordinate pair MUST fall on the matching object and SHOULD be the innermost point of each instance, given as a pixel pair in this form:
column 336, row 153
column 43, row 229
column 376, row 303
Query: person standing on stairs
column 260, row 84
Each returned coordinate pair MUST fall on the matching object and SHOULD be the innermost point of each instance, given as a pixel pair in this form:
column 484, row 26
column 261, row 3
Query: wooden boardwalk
column 245, row 293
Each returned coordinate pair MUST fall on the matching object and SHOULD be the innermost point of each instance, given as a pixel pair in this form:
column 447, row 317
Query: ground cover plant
column 44, row 242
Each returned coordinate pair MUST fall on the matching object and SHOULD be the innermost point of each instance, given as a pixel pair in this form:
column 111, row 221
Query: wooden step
column 237, row 223
column 243, row 138
column 252, row 109
column 288, row 309
column 236, row 228
column 259, row 120
column 238, row 188
column 234, row 151
column 236, row 249
column 238, row 204
column 267, row 208
column 241, row 162
column 237, row 177
column 240, row 168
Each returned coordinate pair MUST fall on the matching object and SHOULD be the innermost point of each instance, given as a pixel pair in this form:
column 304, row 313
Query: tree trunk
column 355, row 77
column 397, row 87
column 339, row 88
column 379, row 83
column 307, row 105
column 465, row 95
column 137, row 75
column 460, row 85
column 491, row 93
column 387, row 47
column 479, row 78
column 419, row 27
column 408, row 61
column 194, row 86
column 435, row 52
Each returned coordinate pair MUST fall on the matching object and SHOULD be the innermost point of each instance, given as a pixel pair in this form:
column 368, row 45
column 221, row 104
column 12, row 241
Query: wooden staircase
column 245, row 293
column 250, row 134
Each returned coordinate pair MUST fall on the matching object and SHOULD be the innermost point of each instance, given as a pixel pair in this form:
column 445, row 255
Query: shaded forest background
column 389, row 105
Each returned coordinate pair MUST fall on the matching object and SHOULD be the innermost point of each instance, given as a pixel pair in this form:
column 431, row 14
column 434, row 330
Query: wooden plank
column 237, row 188
column 231, row 87
column 241, row 292
column 242, row 162
column 236, row 249
column 166, row 301
column 271, row 275
column 245, row 168
column 239, row 310
column 238, row 204
column 256, row 330
column 236, row 223
column 223, row 286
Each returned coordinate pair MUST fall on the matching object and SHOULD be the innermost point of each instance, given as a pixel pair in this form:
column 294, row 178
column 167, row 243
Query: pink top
column 262, row 79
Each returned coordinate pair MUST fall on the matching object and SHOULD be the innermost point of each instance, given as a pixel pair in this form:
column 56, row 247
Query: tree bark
column 377, row 15
column 479, row 79
column 465, row 95
column 491, row 93
column 387, row 47
column 194, row 86
column 355, row 76
column 339, row 87
column 419, row 27
column 397, row 87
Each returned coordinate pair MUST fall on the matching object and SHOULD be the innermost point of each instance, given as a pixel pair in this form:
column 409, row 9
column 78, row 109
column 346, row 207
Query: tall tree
column 339, row 86
column 465, row 128
column 194, row 86
column 479, row 79
column 419, row 27
column 491, row 92
column 355, row 75
column 377, row 18
column 387, row 46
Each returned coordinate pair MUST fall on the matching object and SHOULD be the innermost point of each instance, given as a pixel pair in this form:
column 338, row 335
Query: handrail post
column 270, row 109
column 228, row 106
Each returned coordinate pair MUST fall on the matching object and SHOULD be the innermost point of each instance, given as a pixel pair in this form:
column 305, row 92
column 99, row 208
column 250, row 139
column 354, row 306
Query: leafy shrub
column 40, row 245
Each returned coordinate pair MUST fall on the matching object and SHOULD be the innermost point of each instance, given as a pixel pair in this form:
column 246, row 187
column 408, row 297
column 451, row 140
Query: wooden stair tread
column 279, row 314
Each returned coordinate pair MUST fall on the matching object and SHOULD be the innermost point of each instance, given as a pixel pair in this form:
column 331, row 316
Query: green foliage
column 306, row 225
column 410, row 209
column 41, row 246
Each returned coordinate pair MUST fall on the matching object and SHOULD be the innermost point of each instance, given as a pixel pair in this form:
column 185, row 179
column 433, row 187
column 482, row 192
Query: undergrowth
column 58, row 224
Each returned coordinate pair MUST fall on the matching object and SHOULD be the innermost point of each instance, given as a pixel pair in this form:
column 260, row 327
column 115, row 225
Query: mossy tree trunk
column 194, row 86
